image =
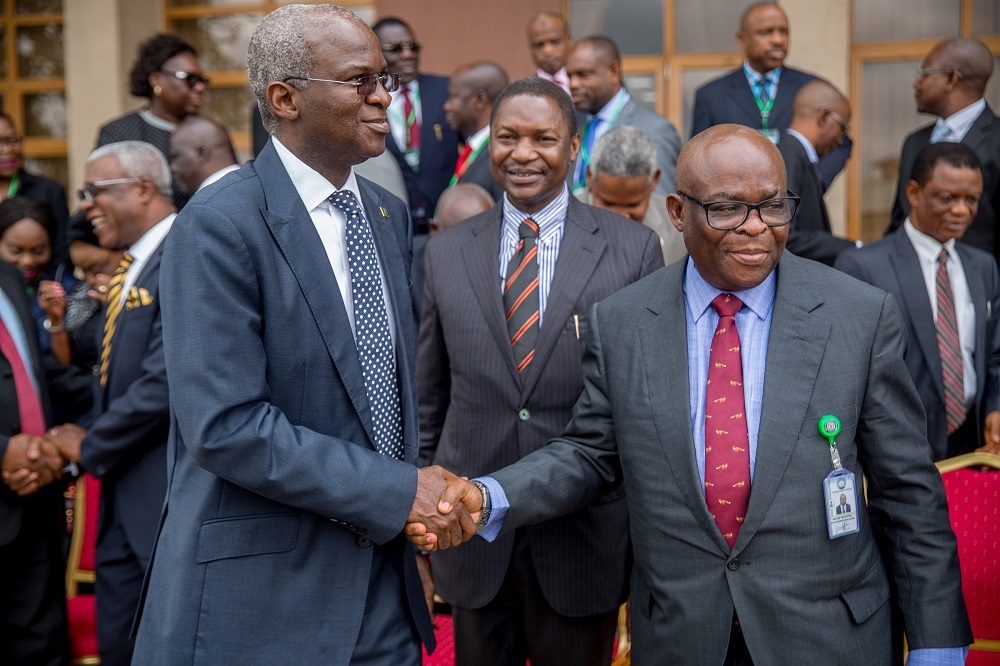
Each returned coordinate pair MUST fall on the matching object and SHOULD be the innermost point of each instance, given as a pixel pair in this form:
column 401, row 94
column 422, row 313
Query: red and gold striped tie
column 520, row 296
column 727, row 444
column 114, row 309
column 949, row 348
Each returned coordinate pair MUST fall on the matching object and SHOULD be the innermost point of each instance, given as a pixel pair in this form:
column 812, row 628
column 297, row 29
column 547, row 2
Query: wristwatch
column 487, row 507
column 52, row 328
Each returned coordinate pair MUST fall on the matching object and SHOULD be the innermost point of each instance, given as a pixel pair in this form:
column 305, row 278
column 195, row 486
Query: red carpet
column 444, row 655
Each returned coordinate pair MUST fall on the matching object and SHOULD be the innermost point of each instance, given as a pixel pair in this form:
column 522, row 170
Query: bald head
column 198, row 148
column 690, row 166
column 822, row 115
column 459, row 203
column 472, row 90
column 970, row 57
column 483, row 75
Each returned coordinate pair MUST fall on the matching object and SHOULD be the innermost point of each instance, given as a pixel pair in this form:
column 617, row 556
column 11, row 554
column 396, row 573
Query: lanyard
column 765, row 109
column 15, row 184
column 584, row 158
column 468, row 160
column 414, row 102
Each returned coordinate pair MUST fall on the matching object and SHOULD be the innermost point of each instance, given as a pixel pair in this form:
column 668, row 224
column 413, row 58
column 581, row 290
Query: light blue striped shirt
column 551, row 221
column 753, row 322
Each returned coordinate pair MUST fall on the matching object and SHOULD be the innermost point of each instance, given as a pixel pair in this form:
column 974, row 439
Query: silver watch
column 487, row 506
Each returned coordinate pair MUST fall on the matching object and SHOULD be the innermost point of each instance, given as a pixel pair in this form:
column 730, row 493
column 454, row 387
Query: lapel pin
column 437, row 132
column 385, row 213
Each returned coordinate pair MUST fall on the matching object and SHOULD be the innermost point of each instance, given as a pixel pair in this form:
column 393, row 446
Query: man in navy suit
column 422, row 142
column 950, row 84
column 128, row 199
column 288, row 332
column 944, row 192
column 760, row 94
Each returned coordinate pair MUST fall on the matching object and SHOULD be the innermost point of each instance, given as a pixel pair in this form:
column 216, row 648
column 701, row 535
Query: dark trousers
column 33, row 594
column 119, row 580
column 387, row 635
column 738, row 653
column 966, row 439
column 520, row 624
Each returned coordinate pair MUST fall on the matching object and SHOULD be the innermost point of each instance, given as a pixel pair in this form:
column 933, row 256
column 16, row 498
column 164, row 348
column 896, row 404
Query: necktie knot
column 943, row 256
column 126, row 261
column 528, row 229
column 726, row 305
column 346, row 203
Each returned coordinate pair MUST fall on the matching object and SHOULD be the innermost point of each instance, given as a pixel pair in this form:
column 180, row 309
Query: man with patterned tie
column 472, row 90
column 32, row 596
column 498, row 369
column 289, row 340
column 710, row 578
column 595, row 81
column 950, row 84
column 127, row 198
column 421, row 141
column 949, row 293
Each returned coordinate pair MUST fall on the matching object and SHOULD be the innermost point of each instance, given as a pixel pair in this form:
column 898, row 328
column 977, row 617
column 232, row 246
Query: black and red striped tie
column 520, row 296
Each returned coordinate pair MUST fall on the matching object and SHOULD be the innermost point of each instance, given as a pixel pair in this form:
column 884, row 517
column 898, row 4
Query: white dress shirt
column 397, row 121
column 143, row 249
column 957, row 125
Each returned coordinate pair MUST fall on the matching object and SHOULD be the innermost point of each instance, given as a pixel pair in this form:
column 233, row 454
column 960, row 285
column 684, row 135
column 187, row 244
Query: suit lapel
column 289, row 223
column 481, row 255
column 978, row 134
column 579, row 253
column 665, row 371
column 917, row 303
column 742, row 100
column 796, row 345
column 977, row 291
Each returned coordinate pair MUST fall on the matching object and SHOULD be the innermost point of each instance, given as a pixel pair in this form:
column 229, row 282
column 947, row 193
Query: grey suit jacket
column 809, row 235
column 663, row 134
column 126, row 445
column 835, row 347
column 476, row 414
column 277, row 502
column 891, row 264
column 984, row 138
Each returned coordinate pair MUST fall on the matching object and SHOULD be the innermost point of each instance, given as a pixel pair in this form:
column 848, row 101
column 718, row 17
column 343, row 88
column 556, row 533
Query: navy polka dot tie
column 371, row 325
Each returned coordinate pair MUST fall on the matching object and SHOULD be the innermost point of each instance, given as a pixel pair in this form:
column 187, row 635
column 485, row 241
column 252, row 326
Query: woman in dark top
column 166, row 73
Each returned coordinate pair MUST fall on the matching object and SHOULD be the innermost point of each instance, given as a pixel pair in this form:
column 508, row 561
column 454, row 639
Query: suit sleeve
column 214, row 343
column 579, row 466
column 900, row 205
column 807, row 237
column 992, row 387
column 125, row 430
column 668, row 147
column 433, row 367
column 906, row 492
column 701, row 116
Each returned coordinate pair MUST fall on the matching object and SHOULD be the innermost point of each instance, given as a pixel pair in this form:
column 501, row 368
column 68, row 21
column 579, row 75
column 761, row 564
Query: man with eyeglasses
column 422, row 141
column 950, row 84
column 127, row 199
column 821, row 118
column 289, row 340
column 734, row 561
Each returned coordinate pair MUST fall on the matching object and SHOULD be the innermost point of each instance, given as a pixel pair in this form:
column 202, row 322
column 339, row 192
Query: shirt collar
column 927, row 248
column 806, row 143
column 617, row 102
column 414, row 88
column 699, row 294
column 960, row 121
column 479, row 138
column 149, row 241
column 753, row 75
column 312, row 188
column 218, row 175
column 157, row 122
column 548, row 218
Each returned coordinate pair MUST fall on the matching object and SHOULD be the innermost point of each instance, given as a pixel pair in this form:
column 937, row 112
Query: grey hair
column 625, row 152
column 138, row 159
column 277, row 50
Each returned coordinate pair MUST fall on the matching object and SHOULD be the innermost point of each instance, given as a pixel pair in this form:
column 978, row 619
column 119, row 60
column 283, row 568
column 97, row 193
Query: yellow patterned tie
column 114, row 309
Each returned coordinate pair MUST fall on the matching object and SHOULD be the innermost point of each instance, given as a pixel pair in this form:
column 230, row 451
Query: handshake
column 32, row 462
column 446, row 510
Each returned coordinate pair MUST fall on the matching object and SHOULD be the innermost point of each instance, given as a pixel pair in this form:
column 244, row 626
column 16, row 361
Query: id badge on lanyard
column 840, row 497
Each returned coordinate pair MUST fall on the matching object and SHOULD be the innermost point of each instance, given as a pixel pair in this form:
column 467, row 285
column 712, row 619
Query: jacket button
column 733, row 565
column 524, row 415
column 364, row 542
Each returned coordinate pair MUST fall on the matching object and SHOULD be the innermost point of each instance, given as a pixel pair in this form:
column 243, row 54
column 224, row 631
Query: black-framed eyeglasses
column 189, row 78
column 921, row 72
column 399, row 48
column 11, row 142
column 365, row 84
column 728, row 215
column 90, row 190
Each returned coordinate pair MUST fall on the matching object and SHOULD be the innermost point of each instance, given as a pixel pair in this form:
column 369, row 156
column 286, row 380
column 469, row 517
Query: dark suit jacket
column 475, row 414
column 984, row 138
column 277, row 500
column 891, row 264
column 729, row 99
column 437, row 155
column 663, row 134
column 809, row 235
column 126, row 444
column 478, row 172
column 835, row 347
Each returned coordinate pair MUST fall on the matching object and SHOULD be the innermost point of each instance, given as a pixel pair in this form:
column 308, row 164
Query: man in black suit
column 820, row 120
column 944, row 193
column 550, row 592
column 472, row 90
column 760, row 94
column 32, row 597
column 127, row 198
column 422, row 142
column 950, row 84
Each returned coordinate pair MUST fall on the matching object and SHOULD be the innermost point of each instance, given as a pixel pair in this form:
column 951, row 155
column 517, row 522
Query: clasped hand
column 31, row 462
column 445, row 510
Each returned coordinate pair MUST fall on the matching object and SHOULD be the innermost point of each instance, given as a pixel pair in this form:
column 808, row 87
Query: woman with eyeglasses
column 167, row 73
column 16, row 181
column 26, row 230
